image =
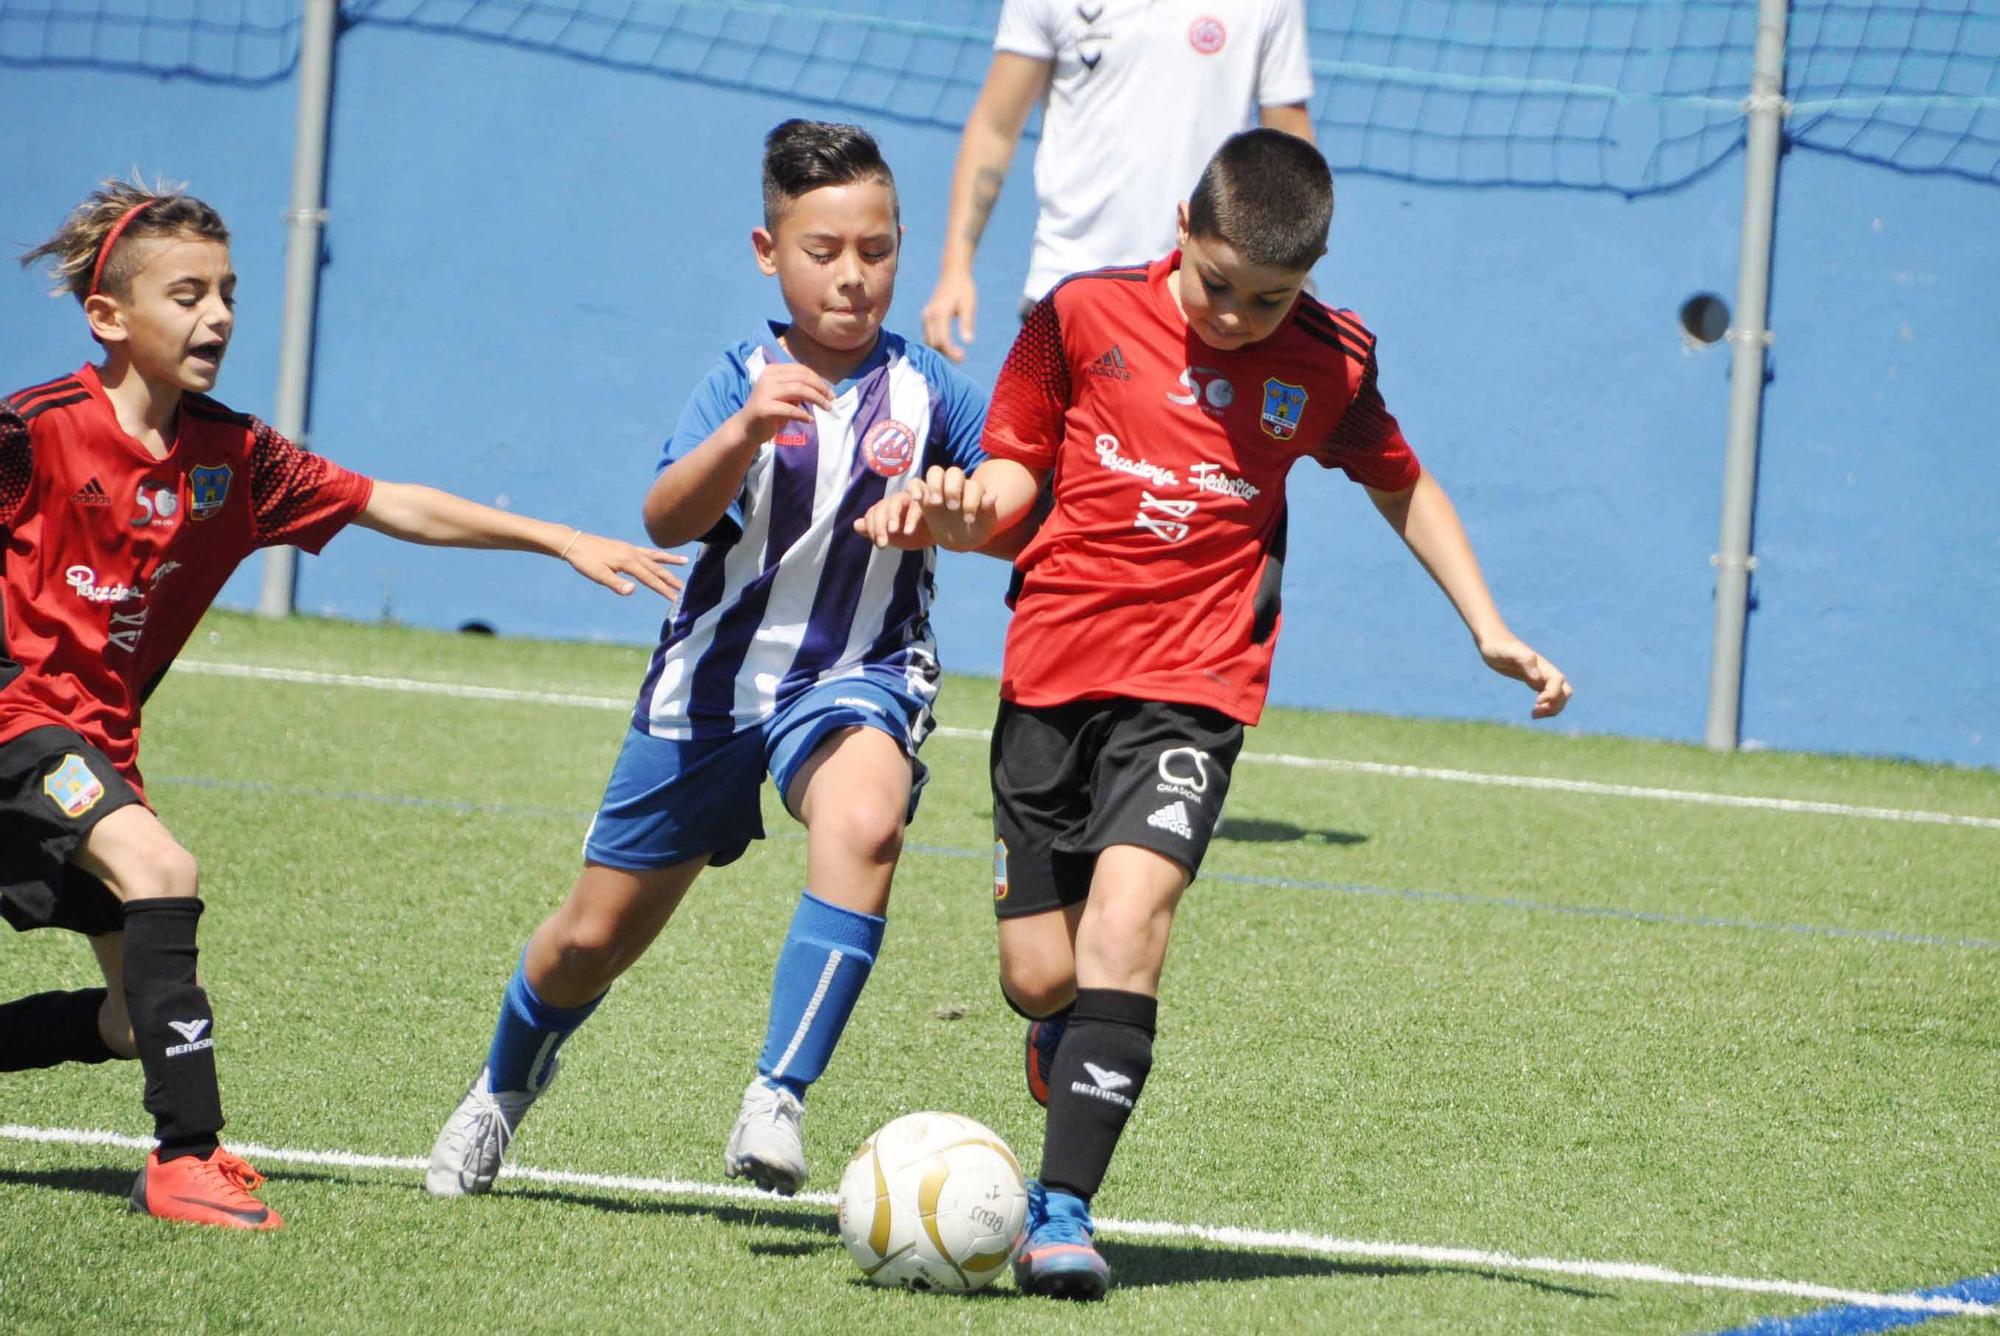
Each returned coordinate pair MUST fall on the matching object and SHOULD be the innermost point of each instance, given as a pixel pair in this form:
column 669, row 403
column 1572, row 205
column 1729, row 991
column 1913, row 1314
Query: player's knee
column 596, row 946
column 165, row 870
column 1036, row 991
column 869, row 829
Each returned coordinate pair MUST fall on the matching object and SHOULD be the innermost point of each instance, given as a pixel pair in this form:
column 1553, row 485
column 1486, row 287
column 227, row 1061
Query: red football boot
column 214, row 1190
column 1043, row 1037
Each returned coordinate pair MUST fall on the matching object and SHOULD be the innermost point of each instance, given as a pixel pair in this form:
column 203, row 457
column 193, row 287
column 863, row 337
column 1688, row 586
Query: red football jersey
column 1156, row 574
column 108, row 556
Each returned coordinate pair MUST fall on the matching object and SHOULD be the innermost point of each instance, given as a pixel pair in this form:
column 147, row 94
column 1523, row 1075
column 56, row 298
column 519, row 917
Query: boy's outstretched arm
column 960, row 512
column 418, row 514
column 1425, row 519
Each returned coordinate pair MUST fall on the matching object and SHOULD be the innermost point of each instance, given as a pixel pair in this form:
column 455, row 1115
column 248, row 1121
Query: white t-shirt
column 1144, row 93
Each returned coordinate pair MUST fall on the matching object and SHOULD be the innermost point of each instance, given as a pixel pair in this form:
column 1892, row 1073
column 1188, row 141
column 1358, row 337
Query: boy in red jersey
column 127, row 496
column 1167, row 402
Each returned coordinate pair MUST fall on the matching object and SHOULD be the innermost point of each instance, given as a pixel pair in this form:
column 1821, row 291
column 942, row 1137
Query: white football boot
column 767, row 1146
column 466, row 1158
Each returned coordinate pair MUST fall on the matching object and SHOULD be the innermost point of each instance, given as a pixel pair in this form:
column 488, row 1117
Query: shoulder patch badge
column 72, row 788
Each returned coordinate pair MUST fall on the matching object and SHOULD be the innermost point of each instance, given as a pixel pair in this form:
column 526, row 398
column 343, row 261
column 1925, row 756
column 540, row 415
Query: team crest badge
column 208, row 487
column 72, row 787
column 999, row 869
column 1283, row 406
column 889, row 448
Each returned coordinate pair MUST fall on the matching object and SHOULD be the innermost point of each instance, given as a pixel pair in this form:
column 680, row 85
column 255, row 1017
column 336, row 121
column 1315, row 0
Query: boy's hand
column 955, row 299
column 1511, row 657
column 897, row 520
column 605, row 560
column 785, row 393
column 960, row 513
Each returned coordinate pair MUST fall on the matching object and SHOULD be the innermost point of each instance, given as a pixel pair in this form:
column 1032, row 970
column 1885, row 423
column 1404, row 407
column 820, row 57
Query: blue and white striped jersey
column 784, row 594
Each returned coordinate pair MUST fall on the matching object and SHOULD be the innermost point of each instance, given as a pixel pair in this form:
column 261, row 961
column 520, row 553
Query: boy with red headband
column 127, row 497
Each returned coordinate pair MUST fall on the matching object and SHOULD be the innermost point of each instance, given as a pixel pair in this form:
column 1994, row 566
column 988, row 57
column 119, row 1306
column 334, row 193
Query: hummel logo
column 1173, row 817
column 92, row 493
column 188, row 1030
column 1106, row 1079
column 1111, row 365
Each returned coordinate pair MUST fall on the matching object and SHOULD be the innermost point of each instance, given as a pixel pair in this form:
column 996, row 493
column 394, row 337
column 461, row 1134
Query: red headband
column 111, row 239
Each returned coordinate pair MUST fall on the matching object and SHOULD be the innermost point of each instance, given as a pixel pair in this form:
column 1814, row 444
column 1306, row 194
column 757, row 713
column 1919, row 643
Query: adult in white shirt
column 1138, row 95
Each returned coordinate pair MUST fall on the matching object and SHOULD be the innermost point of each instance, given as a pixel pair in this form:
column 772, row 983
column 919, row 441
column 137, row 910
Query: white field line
column 1228, row 1235
column 1592, row 788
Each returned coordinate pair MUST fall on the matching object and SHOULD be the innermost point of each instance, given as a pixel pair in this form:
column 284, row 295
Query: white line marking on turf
column 1592, row 788
column 1228, row 1235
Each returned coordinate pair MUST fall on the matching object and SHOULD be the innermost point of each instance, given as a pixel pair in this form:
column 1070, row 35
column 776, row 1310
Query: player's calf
column 49, row 1029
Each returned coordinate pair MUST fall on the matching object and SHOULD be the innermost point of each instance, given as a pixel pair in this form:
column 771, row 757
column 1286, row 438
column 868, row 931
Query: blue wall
column 532, row 259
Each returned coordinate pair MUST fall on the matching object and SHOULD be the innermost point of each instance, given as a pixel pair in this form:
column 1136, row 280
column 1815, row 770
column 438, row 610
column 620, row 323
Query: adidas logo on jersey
column 1111, row 365
column 91, row 493
column 1173, row 817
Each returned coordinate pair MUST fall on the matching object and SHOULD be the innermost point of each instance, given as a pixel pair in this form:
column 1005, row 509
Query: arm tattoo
column 985, row 190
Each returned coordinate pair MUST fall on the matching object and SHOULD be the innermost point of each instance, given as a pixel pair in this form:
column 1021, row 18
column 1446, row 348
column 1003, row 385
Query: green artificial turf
column 1403, row 1010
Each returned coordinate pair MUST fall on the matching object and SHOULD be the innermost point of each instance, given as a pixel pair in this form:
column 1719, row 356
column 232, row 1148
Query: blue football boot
column 1057, row 1259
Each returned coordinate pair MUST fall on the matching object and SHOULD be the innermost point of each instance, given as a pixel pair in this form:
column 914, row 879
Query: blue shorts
column 669, row 800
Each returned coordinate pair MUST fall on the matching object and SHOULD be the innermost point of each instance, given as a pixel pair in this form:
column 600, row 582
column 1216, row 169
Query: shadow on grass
column 1133, row 1264
column 109, row 1182
column 1137, row 1264
column 1255, row 830
column 795, row 1217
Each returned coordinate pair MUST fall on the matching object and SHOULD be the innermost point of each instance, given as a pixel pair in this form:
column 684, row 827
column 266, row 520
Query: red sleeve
column 298, row 497
column 17, row 466
column 1024, row 422
column 1367, row 444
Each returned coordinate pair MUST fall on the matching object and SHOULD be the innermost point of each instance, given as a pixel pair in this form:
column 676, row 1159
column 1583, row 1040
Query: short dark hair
column 801, row 156
column 1270, row 195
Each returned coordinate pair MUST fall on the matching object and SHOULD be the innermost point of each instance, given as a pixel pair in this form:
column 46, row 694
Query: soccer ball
column 933, row 1201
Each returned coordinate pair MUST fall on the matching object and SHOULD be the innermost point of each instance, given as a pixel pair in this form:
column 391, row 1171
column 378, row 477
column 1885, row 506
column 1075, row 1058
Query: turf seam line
column 1417, row 895
column 1227, row 1235
column 1442, row 774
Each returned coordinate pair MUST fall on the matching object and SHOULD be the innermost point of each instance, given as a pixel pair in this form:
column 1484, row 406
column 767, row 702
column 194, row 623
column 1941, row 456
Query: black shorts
column 1069, row 781
column 54, row 787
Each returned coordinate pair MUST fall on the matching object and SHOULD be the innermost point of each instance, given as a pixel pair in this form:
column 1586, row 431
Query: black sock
column 172, row 1024
column 52, row 1028
column 1099, row 1071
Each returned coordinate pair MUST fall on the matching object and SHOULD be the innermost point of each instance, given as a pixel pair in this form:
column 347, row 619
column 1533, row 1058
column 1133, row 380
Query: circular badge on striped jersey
column 889, row 448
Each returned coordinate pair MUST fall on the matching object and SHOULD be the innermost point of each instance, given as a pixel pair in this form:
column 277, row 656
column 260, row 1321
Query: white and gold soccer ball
column 933, row 1201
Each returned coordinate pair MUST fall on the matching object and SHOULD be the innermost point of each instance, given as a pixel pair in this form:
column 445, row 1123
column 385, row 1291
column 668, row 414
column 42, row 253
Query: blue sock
column 529, row 1033
column 825, row 961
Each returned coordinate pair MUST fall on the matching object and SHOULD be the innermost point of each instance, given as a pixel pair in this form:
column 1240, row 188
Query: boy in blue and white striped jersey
column 800, row 649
